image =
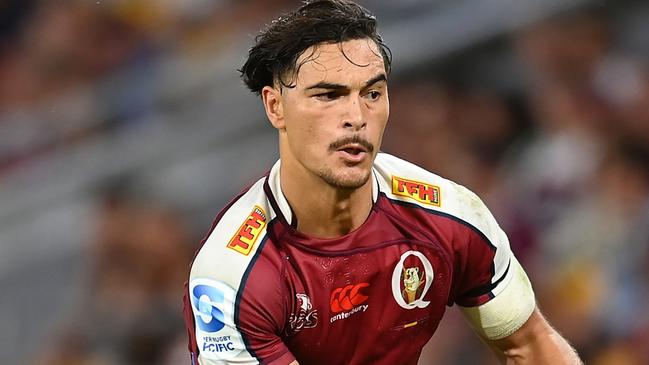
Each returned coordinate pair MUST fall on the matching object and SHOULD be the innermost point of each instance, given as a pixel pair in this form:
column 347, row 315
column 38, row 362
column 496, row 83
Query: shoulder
column 237, row 234
column 226, row 296
column 406, row 183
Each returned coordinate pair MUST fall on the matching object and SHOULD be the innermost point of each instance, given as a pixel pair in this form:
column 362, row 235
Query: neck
column 322, row 210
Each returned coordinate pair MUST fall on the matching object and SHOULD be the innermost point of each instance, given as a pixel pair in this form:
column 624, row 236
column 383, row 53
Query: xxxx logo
column 346, row 298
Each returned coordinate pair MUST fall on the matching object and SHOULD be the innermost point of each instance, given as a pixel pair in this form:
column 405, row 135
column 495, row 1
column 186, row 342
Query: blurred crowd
column 561, row 158
column 61, row 63
column 130, row 310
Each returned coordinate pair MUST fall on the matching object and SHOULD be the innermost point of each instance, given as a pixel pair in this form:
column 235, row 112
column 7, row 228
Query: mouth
column 353, row 153
column 353, row 149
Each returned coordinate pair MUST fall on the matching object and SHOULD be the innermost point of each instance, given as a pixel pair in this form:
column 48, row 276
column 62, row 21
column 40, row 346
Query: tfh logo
column 245, row 238
column 421, row 192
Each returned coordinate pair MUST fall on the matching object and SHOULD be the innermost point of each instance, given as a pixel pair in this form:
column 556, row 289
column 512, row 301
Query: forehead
column 342, row 63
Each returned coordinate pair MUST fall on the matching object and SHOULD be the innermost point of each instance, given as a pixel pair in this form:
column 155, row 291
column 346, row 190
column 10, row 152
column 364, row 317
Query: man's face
column 334, row 117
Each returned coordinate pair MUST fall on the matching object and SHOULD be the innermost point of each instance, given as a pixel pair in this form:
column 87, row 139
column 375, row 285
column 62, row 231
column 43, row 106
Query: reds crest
column 411, row 279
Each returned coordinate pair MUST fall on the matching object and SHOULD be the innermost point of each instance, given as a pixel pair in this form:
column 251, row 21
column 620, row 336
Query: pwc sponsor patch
column 420, row 191
column 244, row 240
column 348, row 300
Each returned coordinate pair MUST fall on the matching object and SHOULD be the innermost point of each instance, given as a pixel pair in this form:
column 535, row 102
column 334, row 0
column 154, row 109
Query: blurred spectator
column 131, row 312
column 567, row 49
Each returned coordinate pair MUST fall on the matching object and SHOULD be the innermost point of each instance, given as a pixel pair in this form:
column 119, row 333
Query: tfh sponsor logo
column 304, row 317
column 411, row 279
column 421, row 192
column 244, row 240
column 347, row 301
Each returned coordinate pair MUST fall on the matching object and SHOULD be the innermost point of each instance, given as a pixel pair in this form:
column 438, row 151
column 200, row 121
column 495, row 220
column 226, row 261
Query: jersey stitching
column 244, row 280
column 441, row 214
column 360, row 249
column 285, row 287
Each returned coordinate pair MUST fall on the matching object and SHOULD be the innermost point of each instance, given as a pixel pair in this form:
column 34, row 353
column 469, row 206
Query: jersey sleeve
column 481, row 252
column 237, row 326
column 234, row 303
column 484, row 262
column 491, row 287
column 507, row 312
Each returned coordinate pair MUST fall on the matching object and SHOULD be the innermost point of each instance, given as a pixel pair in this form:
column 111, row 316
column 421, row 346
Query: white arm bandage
column 508, row 311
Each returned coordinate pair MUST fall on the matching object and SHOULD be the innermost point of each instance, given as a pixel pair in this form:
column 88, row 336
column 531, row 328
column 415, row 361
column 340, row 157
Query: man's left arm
column 496, row 296
column 515, row 329
column 536, row 342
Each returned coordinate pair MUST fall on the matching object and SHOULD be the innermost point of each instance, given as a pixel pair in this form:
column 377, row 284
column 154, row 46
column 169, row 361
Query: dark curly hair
column 274, row 56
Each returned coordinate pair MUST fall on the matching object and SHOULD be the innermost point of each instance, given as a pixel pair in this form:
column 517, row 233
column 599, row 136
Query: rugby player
column 342, row 254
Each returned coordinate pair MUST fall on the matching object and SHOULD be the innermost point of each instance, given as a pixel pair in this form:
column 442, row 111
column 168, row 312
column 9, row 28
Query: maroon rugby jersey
column 261, row 292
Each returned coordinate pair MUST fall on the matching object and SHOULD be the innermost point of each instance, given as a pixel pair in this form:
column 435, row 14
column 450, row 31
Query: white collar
column 282, row 203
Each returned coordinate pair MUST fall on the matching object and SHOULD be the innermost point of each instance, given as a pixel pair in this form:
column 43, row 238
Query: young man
column 342, row 254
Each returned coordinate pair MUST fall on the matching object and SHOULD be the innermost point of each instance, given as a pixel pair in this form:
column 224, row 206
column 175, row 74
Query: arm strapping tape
column 507, row 312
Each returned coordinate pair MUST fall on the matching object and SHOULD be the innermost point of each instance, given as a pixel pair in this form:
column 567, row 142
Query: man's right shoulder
column 235, row 237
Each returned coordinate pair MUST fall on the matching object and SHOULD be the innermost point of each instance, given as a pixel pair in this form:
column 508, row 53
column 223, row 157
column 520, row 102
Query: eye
column 373, row 95
column 328, row 96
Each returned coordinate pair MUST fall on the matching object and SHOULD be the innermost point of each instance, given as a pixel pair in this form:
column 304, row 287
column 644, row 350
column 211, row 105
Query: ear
column 272, row 100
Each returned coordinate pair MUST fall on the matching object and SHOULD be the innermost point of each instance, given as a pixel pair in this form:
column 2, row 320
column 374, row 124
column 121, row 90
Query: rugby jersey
column 260, row 292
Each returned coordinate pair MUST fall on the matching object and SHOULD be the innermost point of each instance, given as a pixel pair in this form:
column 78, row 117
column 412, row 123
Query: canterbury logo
column 348, row 297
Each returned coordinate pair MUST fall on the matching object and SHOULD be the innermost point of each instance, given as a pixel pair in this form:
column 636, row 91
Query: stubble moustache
column 342, row 181
column 336, row 145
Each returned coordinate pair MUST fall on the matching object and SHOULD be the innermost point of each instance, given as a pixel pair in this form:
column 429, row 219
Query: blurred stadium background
column 124, row 129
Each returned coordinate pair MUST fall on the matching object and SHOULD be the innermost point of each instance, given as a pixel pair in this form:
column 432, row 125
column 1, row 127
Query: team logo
column 421, row 192
column 411, row 280
column 244, row 240
column 213, row 308
column 347, row 301
column 306, row 316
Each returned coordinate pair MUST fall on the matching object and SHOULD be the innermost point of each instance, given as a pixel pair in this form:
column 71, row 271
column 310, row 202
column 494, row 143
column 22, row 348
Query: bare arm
column 536, row 342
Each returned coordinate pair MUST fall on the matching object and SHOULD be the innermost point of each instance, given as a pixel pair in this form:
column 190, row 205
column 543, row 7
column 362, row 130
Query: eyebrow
column 332, row 86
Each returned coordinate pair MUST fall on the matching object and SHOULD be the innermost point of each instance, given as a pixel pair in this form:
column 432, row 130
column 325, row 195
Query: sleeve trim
column 506, row 312
column 484, row 289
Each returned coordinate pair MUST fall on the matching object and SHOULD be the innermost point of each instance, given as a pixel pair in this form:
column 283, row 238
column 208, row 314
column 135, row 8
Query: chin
column 348, row 180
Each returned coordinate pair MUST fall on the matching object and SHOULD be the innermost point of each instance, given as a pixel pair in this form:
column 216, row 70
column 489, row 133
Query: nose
column 354, row 115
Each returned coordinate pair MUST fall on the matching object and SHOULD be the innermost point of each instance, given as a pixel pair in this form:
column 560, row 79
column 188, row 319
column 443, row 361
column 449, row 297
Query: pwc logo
column 348, row 297
column 421, row 192
column 244, row 240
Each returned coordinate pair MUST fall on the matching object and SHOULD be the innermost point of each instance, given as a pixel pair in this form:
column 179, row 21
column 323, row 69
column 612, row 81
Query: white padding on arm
column 508, row 311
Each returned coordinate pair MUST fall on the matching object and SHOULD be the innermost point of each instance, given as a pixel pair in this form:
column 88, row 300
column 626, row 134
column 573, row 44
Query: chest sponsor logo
column 304, row 317
column 411, row 279
column 244, row 240
column 419, row 191
column 213, row 307
column 347, row 301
